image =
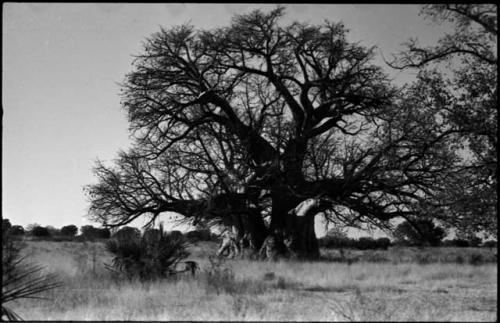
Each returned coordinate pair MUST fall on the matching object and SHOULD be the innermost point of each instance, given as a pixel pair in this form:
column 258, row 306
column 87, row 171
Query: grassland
column 401, row 284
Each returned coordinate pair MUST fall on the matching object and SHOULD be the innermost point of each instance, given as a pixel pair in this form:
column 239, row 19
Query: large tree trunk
column 290, row 235
column 244, row 235
column 305, row 243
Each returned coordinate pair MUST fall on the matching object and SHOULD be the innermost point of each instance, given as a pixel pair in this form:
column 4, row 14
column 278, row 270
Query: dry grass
column 425, row 255
column 277, row 291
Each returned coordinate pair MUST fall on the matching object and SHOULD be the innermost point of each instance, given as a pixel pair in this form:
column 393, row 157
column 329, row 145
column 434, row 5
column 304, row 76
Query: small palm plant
column 21, row 279
column 150, row 256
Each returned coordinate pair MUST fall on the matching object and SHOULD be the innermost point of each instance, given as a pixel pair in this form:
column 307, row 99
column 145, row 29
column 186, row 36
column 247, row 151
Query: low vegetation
column 128, row 276
column 404, row 288
column 20, row 279
column 152, row 255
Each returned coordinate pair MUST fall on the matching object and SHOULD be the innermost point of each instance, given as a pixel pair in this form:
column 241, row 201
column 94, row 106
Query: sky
column 61, row 69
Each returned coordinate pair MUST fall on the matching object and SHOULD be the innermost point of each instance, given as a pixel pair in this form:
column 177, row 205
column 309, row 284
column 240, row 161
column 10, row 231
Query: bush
column 459, row 259
column 69, row 230
column 419, row 233
column 6, row 225
column 39, row 231
column 219, row 277
column 151, row 234
column 476, row 259
column 447, row 243
column 176, row 234
column 383, row 243
column 19, row 278
column 475, row 242
column 200, row 235
column 375, row 257
column 461, row 243
column 103, row 233
column 53, row 231
column 17, row 230
column 365, row 243
column 128, row 233
column 490, row 244
column 423, row 259
column 62, row 238
column 147, row 257
column 336, row 242
column 90, row 232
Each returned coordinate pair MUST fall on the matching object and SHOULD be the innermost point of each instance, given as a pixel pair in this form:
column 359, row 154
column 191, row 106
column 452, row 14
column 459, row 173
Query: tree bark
column 305, row 243
column 294, row 236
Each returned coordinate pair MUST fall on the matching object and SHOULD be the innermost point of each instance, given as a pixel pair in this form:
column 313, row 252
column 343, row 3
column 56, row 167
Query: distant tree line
column 422, row 232
column 425, row 232
column 405, row 234
column 362, row 243
column 89, row 232
column 418, row 233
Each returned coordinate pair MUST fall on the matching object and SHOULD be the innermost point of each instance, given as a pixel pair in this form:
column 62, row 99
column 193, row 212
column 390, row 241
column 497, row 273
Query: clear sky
column 60, row 72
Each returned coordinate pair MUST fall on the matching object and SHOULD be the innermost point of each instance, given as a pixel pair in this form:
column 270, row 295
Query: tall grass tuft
column 147, row 257
column 21, row 279
column 219, row 277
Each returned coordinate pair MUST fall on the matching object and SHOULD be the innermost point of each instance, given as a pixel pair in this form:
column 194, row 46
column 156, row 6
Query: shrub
column 53, row 231
column 176, row 234
column 6, row 225
column 281, row 283
column 447, row 243
column 490, row 244
column 39, row 231
column 151, row 234
column 461, row 243
column 476, row 259
column 365, row 243
column 19, row 278
column 269, row 276
column 336, row 238
column 90, row 232
column 336, row 242
column 383, row 243
column 420, row 232
column 423, row 259
column 374, row 257
column 220, row 277
column 69, row 230
column 475, row 242
column 61, row 238
column 200, row 235
column 128, row 233
column 459, row 259
column 17, row 230
column 147, row 257
column 103, row 233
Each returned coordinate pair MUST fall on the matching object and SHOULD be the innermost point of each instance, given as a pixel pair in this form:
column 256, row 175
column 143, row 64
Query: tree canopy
column 471, row 106
column 261, row 126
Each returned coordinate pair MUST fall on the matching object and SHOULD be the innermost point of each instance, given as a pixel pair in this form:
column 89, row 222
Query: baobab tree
column 261, row 127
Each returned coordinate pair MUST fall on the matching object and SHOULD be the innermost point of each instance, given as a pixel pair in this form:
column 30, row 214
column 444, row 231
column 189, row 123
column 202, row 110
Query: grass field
column 400, row 284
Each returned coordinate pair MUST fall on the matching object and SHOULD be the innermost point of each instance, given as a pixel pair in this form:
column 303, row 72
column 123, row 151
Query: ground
column 399, row 284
